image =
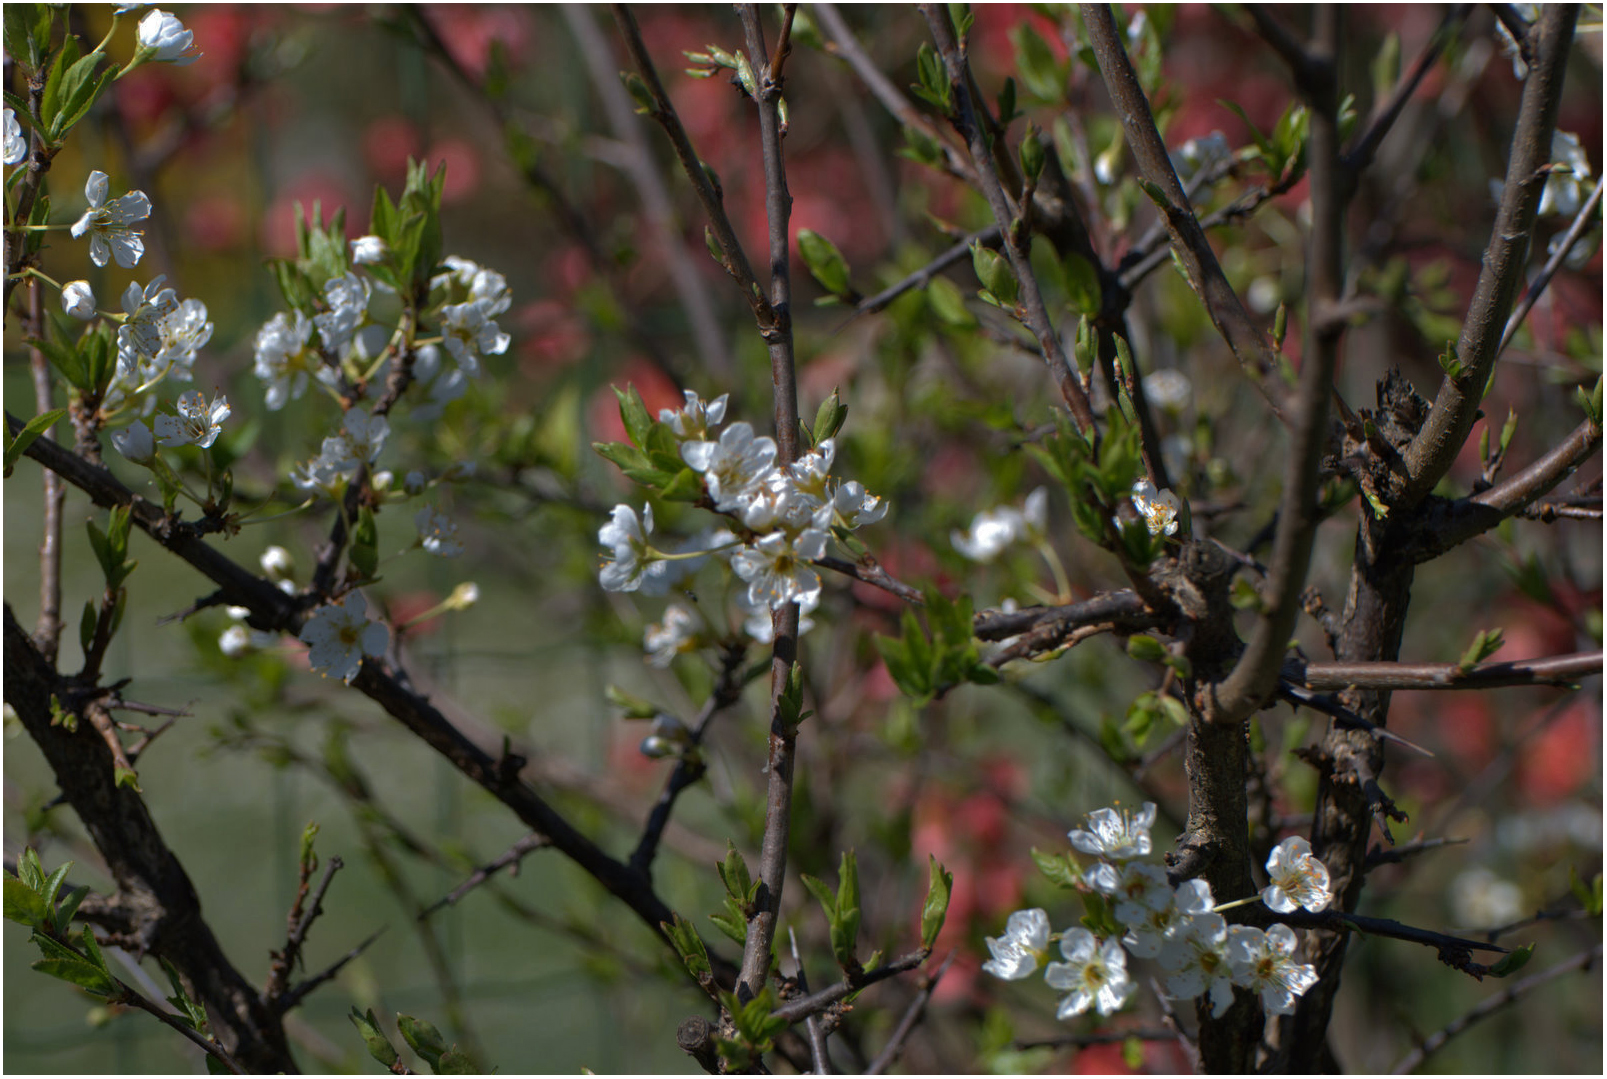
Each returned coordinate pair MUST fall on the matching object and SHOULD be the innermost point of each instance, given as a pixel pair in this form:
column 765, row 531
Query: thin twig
column 870, row 571
column 1549, row 671
column 906, row 1023
column 1581, row 222
column 302, row 915
column 1378, row 856
column 1205, row 274
column 133, row 998
column 47, row 631
column 710, row 340
column 690, row 767
column 297, row 993
column 1437, row 444
column 1102, row 1037
column 1191, row 1047
column 794, row 1010
column 1032, row 311
column 1255, row 674
column 1485, row 1008
column 510, row 857
column 1360, row 154
column 818, row 1053
column 733, row 258
column 988, row 237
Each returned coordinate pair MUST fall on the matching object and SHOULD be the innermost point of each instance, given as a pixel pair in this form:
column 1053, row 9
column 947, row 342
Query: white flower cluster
column 159, row 339
column 993, row 530
column 788, row 512
column 1179, row 927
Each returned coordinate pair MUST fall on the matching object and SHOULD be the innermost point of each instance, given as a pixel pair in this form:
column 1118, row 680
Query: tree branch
column 1254, row 677
column 906, row 1023
column 1435, row 447
column 1581, row 222
column 1550, row 671
column 1017, row 239
column 1205, row 274
column 794, row 1010
column 1485, row 1008
column 733, row 258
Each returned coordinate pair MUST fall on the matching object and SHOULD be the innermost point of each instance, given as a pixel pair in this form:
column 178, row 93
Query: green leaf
column 53, row 884
column 1590, row 402
column 633, row 414
column 79, row 973
column 1133, row 1053
column 29, row 869
column 1485, row 644
column 936, row 907
column 29, row 434
column 363, row 552
column 995, row 273
column 1082, row 285
column 822, row 892
column 632, row 706
column 689, row 946
column 1061, row 869
column 845, row 930
column 732, row 925
column 23, row 904
column 826, row 263
column 734, row 873
column 948, row 303
column 1042, row 75
column 1386, row 66
column 422, row 1037
column 1449, row 363
column 829, row 418
column 80, row 89
column 1513, row 961
column 454, row 1061
column 1267, row 152
column 1143, row 647
column 379, row 1047
column 69, row 907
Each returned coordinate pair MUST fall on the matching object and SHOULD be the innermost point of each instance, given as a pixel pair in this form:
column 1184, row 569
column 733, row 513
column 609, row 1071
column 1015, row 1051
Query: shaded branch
column 988, row 237
column 871, row 572
column 301, row 989
column 906, row 1023
column 733, row 258
column 510, row 857
column 1032, row 311
column 1222, row 304
column 794, row 1010
column 1360, row 154
column 1549, row 671
column 1485, row 1008
column 1581, row 222
column 1435, row 447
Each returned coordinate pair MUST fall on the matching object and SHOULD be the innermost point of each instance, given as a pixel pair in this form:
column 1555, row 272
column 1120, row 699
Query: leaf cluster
column 925, row 665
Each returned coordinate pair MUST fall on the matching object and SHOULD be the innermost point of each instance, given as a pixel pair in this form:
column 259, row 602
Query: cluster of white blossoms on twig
column 785, row 516
column 993, row 530
column 1181, row 928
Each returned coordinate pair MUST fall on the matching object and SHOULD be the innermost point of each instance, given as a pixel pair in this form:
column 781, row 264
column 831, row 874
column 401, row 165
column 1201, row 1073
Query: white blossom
column 16, row 145
column 696, row 418
column 856, row 507
column 1298, row 878
column 990, row 533
column 437, row 532
column 1023, row 947
column 1158, row 509
column 339, row 635
column 468, row 333
column 163, row 32
column 283, row 358
column 1563, row 193
column 733, row 467
column 1264, row 963
column 78, row 300
column 760, row 623
column 674, row 635
column 235, row 641
column 347, row 296
column 1197, row 958
column 135, row 442
column 1118, row 835
column 635, row 565
column 160, row 338
column 359, row 442
column 110, row 224
column 277, row 564
column 1168, row 388
column 777, row 568
column 1093, row 974
column 369, row 249
column 197, row 423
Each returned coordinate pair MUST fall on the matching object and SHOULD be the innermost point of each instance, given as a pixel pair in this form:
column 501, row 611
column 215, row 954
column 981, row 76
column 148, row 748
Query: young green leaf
column 379, row 1047
column 29, row 434
column 825, row 262
column 1513, row 961
column 936, row 907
